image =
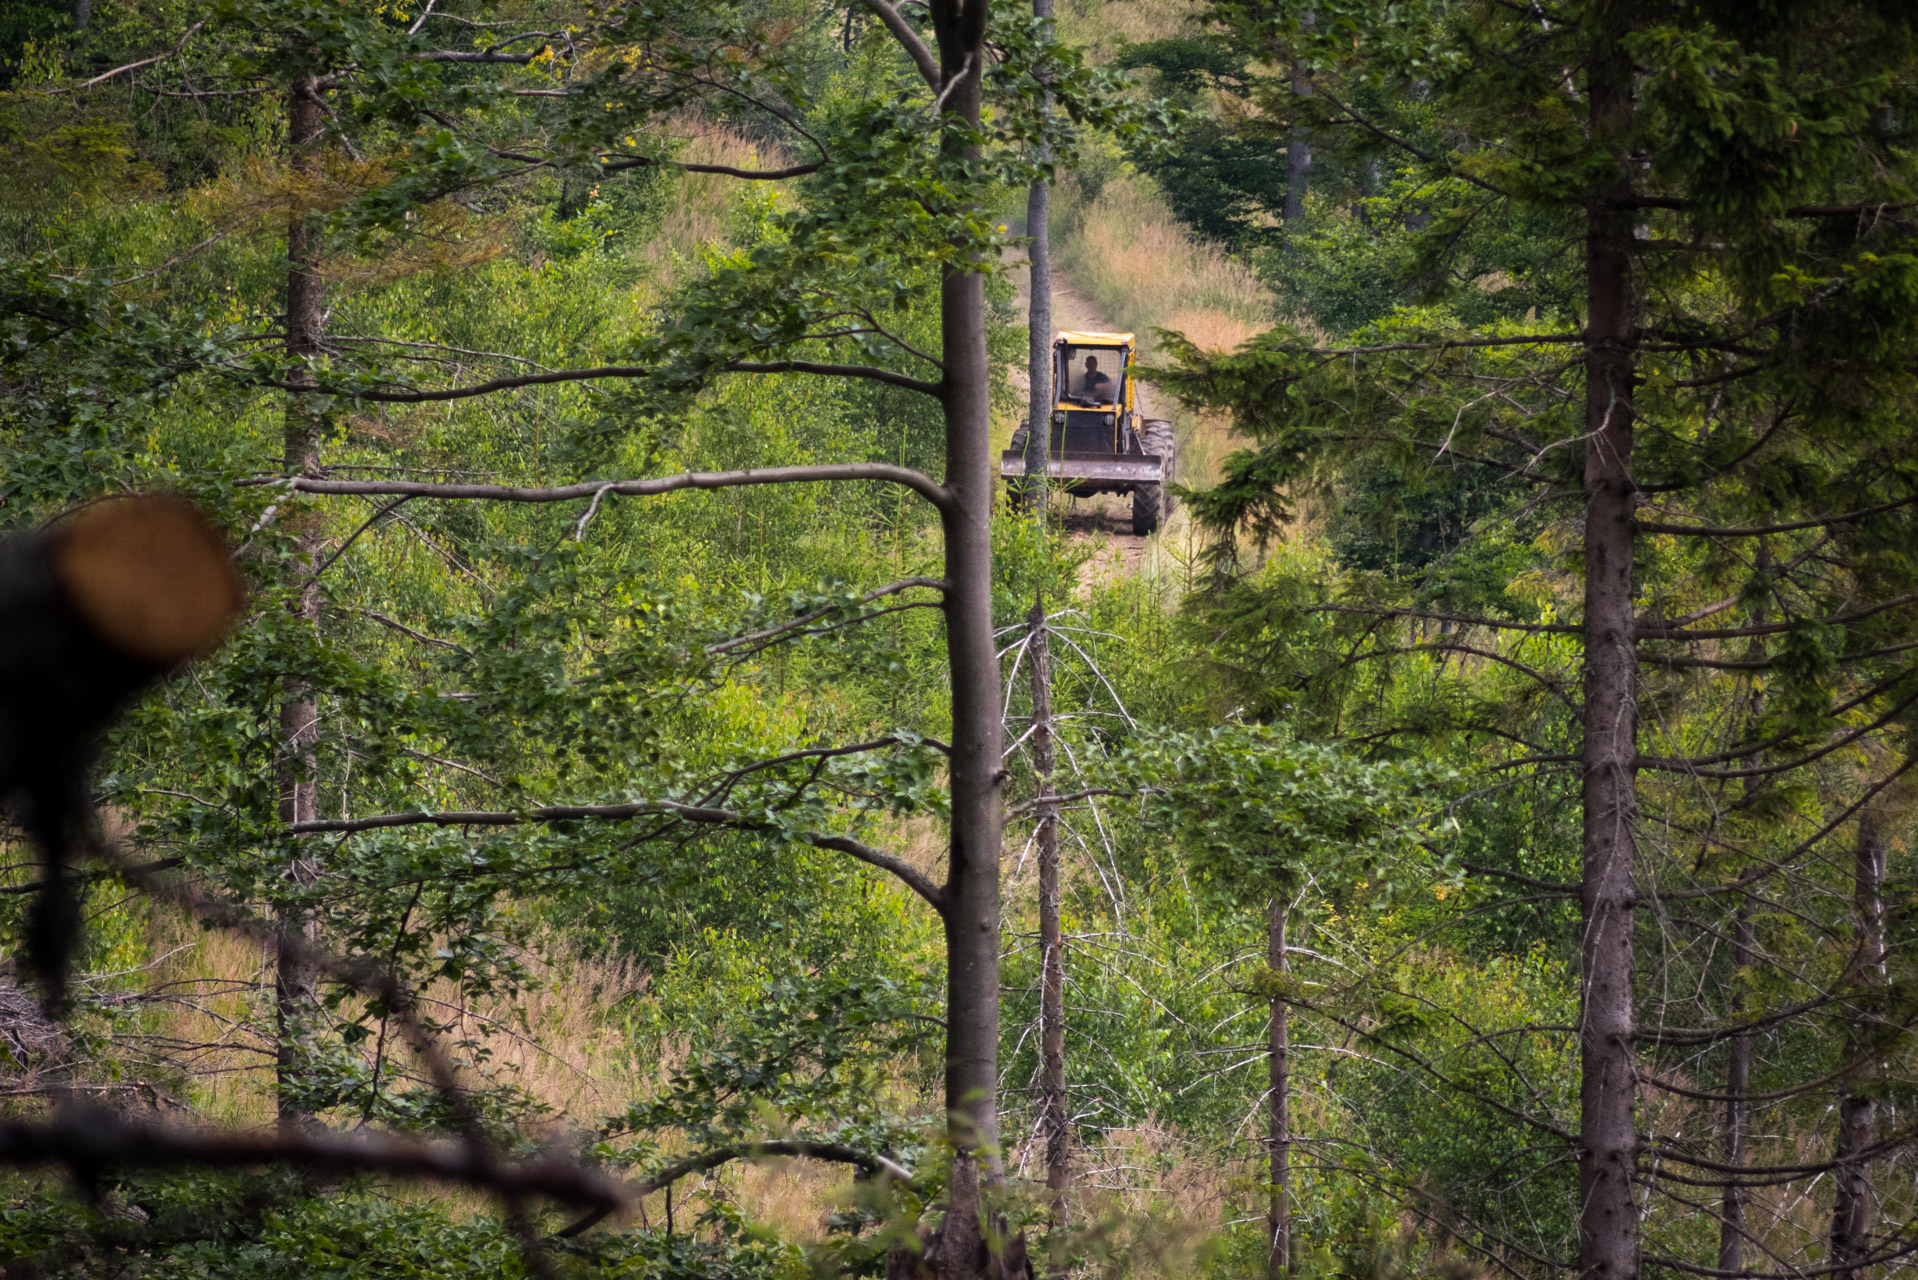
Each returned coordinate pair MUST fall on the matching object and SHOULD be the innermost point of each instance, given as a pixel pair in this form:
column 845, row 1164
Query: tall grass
column 1130, row 257
column 1100, row 27
column 1137, row 263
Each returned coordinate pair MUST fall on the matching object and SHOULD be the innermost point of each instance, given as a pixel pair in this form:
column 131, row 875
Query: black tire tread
column 1152, row 503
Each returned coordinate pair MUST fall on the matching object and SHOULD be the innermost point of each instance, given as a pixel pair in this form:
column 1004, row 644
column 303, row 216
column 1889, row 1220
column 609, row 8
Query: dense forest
column 554, row 723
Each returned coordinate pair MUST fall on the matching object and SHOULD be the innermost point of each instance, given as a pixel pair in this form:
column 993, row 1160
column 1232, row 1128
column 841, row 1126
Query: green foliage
column 1255, row 813
column 810, row 1061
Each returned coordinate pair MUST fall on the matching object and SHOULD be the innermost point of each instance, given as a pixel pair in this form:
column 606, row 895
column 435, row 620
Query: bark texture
column 1738, row 1078
column 977, row 775
column 1298, row 149
column 1608, row 1140
column 1738, row 1052
column 295, row 983
column 1053, row 1120
column 1039, row 327
column 1853, row 1211
column 1278, row 1216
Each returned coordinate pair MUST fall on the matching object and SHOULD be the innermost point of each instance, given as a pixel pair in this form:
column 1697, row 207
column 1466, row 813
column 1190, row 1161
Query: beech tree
column 398, row 127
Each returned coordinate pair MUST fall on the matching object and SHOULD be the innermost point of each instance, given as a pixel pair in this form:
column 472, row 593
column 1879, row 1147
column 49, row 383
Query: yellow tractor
column 1099, row 442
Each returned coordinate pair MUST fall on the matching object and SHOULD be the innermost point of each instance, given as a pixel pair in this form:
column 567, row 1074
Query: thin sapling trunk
column 295, row 984
column 1278, row 1101
column 1039, row 327
column 1053, row 1121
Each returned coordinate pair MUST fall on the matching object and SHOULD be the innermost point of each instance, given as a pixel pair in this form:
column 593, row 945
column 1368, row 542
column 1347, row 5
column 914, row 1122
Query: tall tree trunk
column 1738, row 1053
column 1298, row 149
column 1738, row 1078
column 1278, row 1217
column 1053, row 1120
column 295, row 993
column 976, row 771
column 82, row 14
column 1039, row 326
column 1608, row 1140
column 1852, row 1211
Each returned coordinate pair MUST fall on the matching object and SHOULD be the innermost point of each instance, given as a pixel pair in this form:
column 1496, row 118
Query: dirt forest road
column 1103, row 521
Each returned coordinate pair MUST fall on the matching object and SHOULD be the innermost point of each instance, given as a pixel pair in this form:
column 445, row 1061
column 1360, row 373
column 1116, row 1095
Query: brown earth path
column 1104, row 521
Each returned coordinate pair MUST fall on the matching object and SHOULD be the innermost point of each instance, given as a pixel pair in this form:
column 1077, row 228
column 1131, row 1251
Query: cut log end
column 150, row 576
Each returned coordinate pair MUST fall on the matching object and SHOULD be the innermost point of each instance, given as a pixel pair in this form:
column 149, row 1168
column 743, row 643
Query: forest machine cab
column 1099, row 444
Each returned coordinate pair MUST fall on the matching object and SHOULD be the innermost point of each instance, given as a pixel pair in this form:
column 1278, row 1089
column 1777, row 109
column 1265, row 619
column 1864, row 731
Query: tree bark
column 1852, row 1209
column 1278, row 1217
column 1738, row 1077
column 1738, row 1053
column 1608, row 1140
column 1053, row 1118
column 1039, row 326
column 295, row 982
column 82, row 14
column 1298, row 148
column 976, row 770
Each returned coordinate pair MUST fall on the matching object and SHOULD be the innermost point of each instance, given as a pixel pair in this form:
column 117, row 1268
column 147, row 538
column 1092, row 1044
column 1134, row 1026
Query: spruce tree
column 1695, row 484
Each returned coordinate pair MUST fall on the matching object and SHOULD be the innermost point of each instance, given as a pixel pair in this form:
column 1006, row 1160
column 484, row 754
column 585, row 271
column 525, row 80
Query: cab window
column 1093, row 375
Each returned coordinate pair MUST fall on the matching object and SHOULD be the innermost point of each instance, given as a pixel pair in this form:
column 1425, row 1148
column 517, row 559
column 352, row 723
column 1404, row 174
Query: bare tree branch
column 919, row 483
column 905, row 872
column 1545, row 628
column 134, row 66
column 1771, row 628
column 724, row 170
column 870, row 372
column 88, row 1140
column 805, row 620
column 1761, row 530
column 909, row 41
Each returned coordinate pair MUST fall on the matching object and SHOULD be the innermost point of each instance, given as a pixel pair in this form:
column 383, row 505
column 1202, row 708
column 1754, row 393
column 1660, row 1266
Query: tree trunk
column 1608, row 1146
column 972, row 892
column 1298, row 149
column 1278, row 1217
column 1053, row 1120
column 1851, row 1214
column 295, row 983
column 1738, row 1078
column 82, row 14
column 1738, row 1053
column 1039, row 328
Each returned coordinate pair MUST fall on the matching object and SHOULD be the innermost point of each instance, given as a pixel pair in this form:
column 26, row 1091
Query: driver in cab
column 1094, row 385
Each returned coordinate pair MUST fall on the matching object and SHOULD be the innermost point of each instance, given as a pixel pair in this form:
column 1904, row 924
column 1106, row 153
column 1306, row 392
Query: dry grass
column 1133, row 259
column 215, row 984
column 560, row 1041
column 699, row 216
column 1102, row 26
column 1139, row 267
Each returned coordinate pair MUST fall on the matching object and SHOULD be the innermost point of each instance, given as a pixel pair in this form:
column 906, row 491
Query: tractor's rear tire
column 1152, row 503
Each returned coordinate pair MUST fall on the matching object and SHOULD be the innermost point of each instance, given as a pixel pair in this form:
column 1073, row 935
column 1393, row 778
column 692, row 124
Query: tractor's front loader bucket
column 1107, row 467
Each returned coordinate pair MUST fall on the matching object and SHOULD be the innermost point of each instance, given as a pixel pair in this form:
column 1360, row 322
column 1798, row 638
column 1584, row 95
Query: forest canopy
column 557, row 717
